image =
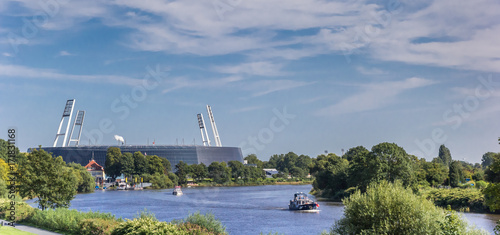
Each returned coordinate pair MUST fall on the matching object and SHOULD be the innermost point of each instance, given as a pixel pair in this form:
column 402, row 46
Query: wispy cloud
column 264, row 87
column 374, row 96
column 7, row 71
column 370, row 71
column 65, row 53
column 7, row 54
column 262, row 68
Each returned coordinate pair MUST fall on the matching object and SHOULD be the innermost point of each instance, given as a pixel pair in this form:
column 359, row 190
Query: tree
column 297, row 172
column 236, row 169
column 444, row 155
column 273, row 161
column 166, row 165
column 85, row 181
column 112, row 166
column 252, row 159
column 155, row 165
column 46, row 178
column 392, row 163
column 4, row 150
column 141, row 163
column 199, row 171
column 182, row 170
column 332, row 178
column 354, row 152
column 127, row 164
column 487, row 159
column 455, row 173
column 436, row 173
column 219, row 172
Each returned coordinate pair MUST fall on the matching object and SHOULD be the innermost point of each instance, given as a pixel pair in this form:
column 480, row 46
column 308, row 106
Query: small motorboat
column 302, row 202
column 123, row 186
column 177, row 191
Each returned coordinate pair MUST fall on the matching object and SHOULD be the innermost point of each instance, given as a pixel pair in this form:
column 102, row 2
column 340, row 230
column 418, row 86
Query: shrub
column 481, row 184
column 22, row 209
column 63, row 219
column 459, row 199
column 159, row 181
column 497, row 228
column 207, row 221
column 388, row 208
column 97, row 226
column 147, row 224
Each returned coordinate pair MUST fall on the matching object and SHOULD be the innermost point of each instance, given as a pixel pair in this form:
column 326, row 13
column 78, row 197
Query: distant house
column 270, row 172
column 96, row 170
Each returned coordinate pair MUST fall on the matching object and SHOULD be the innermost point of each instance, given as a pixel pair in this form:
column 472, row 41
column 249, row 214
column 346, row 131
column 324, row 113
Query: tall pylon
column 68, row 112
column 214, row 127
column 201, row 123
column 78, row 122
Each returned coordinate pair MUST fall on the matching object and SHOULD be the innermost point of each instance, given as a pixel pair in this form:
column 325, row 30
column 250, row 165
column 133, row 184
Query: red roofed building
column 96, row 170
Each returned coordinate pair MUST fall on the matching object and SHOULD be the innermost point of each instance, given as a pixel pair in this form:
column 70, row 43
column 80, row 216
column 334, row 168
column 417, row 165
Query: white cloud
column 7, row 54
column 370, row 71
column 247, row 109
column 36, row 73
column 65, row 53
column 374, row 96
column 264, row 87
column 262, row 68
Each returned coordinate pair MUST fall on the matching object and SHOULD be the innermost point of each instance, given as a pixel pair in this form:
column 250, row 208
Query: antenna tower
column 214, row 127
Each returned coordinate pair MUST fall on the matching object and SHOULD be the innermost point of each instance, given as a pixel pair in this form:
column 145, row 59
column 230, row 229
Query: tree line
column 337, row 177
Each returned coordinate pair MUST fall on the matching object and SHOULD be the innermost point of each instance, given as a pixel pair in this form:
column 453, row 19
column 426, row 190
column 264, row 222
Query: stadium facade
column 191, row 154
column 173, row 153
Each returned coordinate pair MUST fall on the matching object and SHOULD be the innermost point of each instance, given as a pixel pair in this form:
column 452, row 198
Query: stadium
column 191, row 154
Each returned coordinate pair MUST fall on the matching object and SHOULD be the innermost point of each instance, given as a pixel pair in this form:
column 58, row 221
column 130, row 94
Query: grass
column 9, row 230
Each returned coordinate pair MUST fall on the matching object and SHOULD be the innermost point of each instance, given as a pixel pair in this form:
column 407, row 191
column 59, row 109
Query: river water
column 243, row 210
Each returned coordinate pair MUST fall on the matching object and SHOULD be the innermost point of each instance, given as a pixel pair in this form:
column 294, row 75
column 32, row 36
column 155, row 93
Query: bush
column 207, row 221
column 97, row 226
column 497, row 228
column 63, row 219
column 481, row 184
column 159, row 181
column 459, row 199
column 388, row 208
column 22, row 209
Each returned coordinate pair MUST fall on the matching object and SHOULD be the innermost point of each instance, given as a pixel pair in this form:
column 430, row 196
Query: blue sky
column 306, row 76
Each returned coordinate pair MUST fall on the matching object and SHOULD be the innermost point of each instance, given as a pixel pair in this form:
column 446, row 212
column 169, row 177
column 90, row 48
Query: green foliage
column 207, row 221
column 173, row 177
column 4, row 150
column 65, row 220
column 85, row 181
column 155, row 165
column 457, row 198
column 388, row 208
column 23, row 210
column 492, row 195
column 3, row 189
column 444, row 155
column 435, row 173
column 455, row 173
column 219, row 172
column 112, row 166
column 47, row 179
column 332, row 178
column 200, row 171
column 141, row 165
column 481, row 184
column 166, row 165
column 487, row 159
column 182, row 170
column 127, row 165
column 97, row 226
column 252, row 159
column 159, row 181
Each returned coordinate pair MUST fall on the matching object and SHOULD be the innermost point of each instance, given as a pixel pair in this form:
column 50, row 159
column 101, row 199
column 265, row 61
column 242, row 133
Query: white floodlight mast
column 68, row 112
column 78, row 122
column 214, row 127
column 201, row 122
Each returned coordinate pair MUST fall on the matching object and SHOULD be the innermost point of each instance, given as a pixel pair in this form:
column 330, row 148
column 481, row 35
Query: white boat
column 301, row 202
column 124, row 186
column 177, row 191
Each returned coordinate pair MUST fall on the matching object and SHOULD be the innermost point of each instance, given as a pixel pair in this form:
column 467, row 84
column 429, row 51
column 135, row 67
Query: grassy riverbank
column 66, row 221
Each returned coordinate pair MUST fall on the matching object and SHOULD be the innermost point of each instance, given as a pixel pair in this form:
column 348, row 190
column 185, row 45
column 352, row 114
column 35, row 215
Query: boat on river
column 302, row 202
column 177, row 191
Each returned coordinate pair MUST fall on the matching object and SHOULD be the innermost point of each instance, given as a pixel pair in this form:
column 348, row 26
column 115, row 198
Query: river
column 243, row 210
